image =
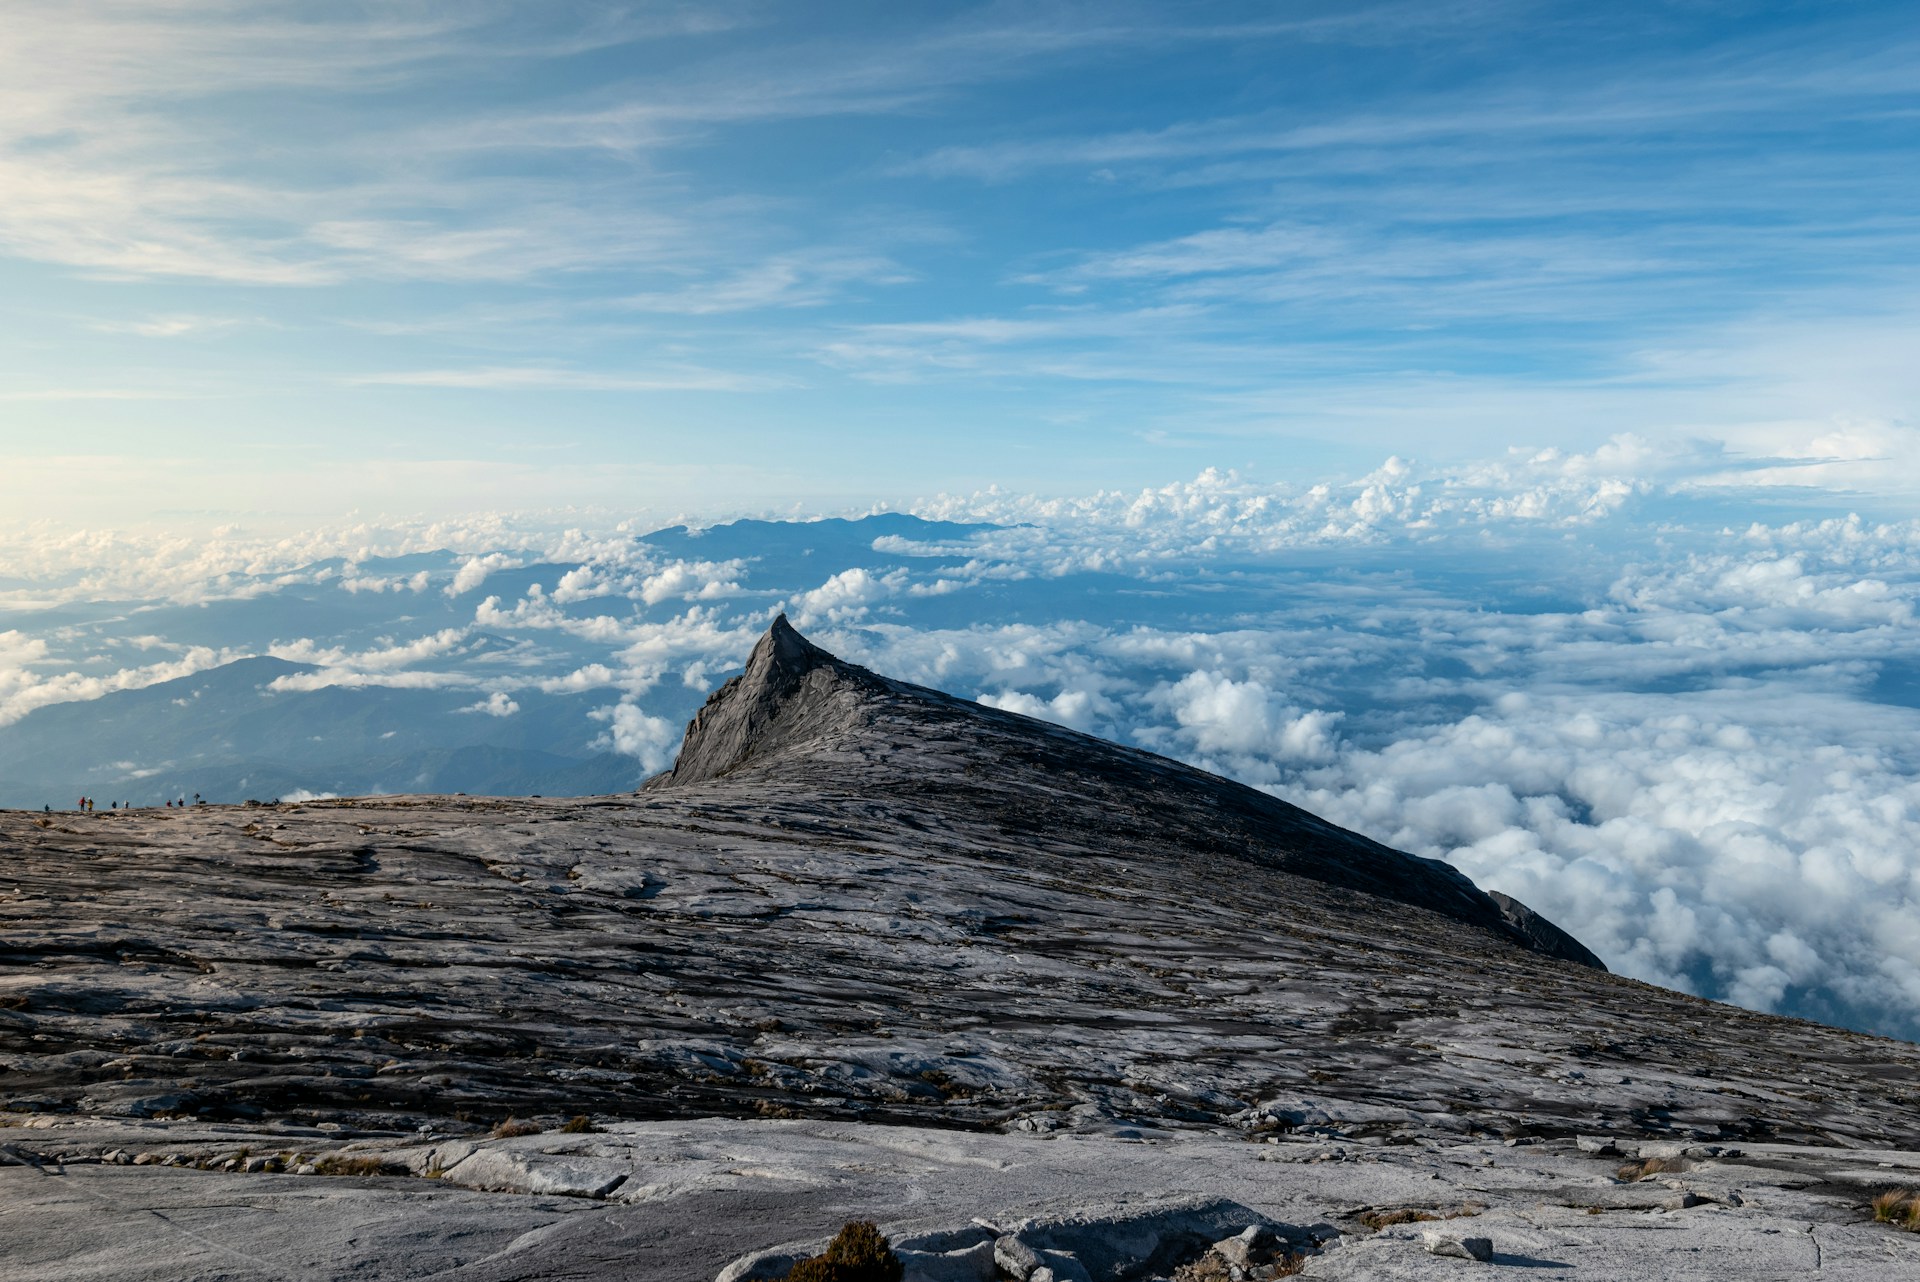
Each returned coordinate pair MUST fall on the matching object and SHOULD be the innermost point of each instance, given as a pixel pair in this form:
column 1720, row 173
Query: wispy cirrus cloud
column 515, row 378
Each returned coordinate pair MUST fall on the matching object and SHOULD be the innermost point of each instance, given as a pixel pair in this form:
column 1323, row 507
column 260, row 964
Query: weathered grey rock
column 1543, row 934
column 514, row 1171
column 1235, row 1250
column 1680, row 1201
column 1599, row 1145
column 1014, row 1257
column 1441, row 1242
column 1062, row 1266
column 762, row 1266
column 724, row 1187
column 966, row 1264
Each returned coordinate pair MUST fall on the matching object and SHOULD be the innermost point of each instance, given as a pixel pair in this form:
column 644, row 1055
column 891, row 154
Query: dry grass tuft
column 348, row 1164
column 1652, row 1166
column 1898, row 1207
column 1213, row 1267
column 579, row 1124
column 1377, row 1220
column 514, row 1126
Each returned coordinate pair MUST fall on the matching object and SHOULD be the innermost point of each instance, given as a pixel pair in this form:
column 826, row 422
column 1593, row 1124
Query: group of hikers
column 86, row 804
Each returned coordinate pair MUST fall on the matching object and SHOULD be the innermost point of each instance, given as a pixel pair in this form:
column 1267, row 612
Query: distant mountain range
column 228, row 734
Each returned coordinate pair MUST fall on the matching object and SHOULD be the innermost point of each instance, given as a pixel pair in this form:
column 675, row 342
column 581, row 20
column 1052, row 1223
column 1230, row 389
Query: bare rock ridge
column 1543, row 934
column 798, row 714
column 781, row 697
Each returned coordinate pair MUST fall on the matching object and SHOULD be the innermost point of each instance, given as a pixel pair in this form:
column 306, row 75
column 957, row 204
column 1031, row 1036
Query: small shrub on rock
column 858, row 1253
column 580, row 1124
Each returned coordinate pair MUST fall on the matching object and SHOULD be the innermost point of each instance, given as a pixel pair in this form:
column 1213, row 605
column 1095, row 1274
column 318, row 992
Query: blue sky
column 278, row 261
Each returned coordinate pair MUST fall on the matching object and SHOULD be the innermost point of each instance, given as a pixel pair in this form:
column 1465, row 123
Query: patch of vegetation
column 858, row 1253
column 1269, row 1126
column 1384, row 1219
column 1652, row 1166
column 1213, row 1267
column 514, row 1126
column 352, row 1164
column 1900, row 1208
column 946, row 1085
column 579, row 1124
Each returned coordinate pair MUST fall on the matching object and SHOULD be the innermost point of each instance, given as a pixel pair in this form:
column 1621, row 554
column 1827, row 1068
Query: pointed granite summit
column 801, row 722
column 756, row 713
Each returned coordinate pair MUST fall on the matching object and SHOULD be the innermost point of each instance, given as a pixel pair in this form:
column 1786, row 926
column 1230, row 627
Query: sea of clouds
column 1677, row 718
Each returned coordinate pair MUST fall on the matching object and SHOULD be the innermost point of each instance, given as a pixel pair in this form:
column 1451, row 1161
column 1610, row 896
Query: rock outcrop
column 1542, row 934
column 799, row 715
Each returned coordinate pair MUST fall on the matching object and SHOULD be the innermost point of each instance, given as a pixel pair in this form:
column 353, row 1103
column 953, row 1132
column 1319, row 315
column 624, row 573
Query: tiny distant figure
column 113, row 805
column 197, row 801
column 169, row 805
column 48, row 809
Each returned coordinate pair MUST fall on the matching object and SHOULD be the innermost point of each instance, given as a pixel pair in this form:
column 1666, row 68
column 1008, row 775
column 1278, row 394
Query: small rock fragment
column 1015, row 1257
column 1463, row 1248
column 1598, row 1145
column 1063, row 1265
column 973, row 1264
column 1234, row 1251
column 1680, row 1201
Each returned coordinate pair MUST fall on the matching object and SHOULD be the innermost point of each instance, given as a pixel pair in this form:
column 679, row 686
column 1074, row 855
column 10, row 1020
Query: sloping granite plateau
column 852, row 900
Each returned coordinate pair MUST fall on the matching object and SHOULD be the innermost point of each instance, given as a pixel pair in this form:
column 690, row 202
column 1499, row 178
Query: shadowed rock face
column 1542, row 934
column 855, row 898
column 800, row 715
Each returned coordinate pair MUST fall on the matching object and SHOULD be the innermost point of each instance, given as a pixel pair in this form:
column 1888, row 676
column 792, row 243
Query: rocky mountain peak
column 742, row 718
column 799, row 717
